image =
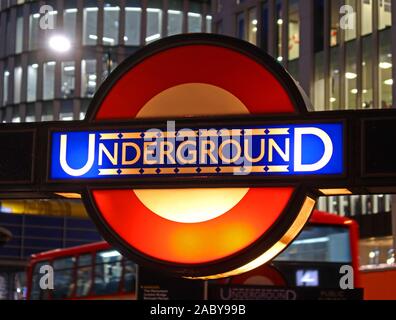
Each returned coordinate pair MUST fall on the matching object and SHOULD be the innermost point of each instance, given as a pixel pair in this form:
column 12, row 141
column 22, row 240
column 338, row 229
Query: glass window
column 319, row 88
column 17, row 84
column 84, row 275
column 16, row 115
column 319, row 244
column 195, row 17
column 34, row 31
column 319, row 9
column 294, row 30
column 367, row 17
column 335, row 23
column 384, row 14
column 111, row 24
column 32, row 82
column 385, row 69
column 19, row 34
column 279, row 32
column 367, row 73
column 90, row 34
column 108, row 272
column 175, row 17
column 6, row 78
column 334, row 81
column 36, row 292
column 133, row 15
column 350, row 31
column 66, row 110
column 240, row 20
column 69, row 23
column 154, row 21
column 88, row 78
column 253, row 23
column 209, row 24
column 68, row 79
column 351, row 76
column 49, row 80
column 63, row 274
column 130, row 273
column 264, row 26
column 30, row 113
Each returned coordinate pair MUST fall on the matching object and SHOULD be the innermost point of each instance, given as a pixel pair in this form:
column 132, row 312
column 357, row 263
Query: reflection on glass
column 68, row 79
column 319, row 244
column 384, row 14
column 351, row 76
column 17, row 84
column 32, row 82
column 110, row 25
column 84, row 275
column 90, row 17
column 385, row 69
column 63, row 282
column 88, row 78
column 47, row 112
column 175, row 17
column 253, row 23
column 132, row 26
column 294, row 30
column 367, row 73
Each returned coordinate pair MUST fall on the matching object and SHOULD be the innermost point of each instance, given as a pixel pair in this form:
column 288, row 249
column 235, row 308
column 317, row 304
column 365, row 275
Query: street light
column 59, row 43
column 62, row 44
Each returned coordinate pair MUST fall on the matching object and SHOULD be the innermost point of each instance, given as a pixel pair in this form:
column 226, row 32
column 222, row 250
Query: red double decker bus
column 98, row 271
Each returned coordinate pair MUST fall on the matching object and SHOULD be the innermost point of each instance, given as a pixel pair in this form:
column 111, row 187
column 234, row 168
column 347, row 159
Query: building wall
column 40, row 84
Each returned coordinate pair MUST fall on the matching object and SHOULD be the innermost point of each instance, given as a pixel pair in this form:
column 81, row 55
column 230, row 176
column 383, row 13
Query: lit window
column 34, row 31
column 48, row 80
column 385, row 69
column 253, row 25
column 90, row 17
column 350, row 20
column 88, row 78
column 17, row 84
column 69, row 23
column 19, row 34
column 294, row 30
column 68, row 79
column 384, row 14
column 175, row 17
column 6, row 78
column 195, row 17
column 111, row 25
column 154, row 21
column 32, row 82
column 132, row 26
column 209, row 24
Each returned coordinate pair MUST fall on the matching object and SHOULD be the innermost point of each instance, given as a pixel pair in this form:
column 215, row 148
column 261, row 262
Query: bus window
column 37, row 293
column 63, row 274
column 129, row 276
column 84, row 275
column 318, row 243
column 108, row 271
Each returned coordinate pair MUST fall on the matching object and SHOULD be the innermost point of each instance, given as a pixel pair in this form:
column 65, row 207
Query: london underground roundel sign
column 190, row 229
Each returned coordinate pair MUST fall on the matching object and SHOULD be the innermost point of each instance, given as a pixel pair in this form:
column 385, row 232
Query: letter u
column 88, row 165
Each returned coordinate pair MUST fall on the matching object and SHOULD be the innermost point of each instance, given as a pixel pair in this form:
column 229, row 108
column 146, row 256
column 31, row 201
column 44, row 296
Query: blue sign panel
column 298, row 149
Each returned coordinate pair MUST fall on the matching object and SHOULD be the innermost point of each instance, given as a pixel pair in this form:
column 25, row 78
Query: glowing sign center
column 191, row 205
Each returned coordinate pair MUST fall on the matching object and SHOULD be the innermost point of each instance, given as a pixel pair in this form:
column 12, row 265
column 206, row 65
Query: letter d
column 328, row 149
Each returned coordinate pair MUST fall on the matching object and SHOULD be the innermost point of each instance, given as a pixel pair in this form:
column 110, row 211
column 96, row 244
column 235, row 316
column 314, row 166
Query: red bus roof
column 317, row 217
